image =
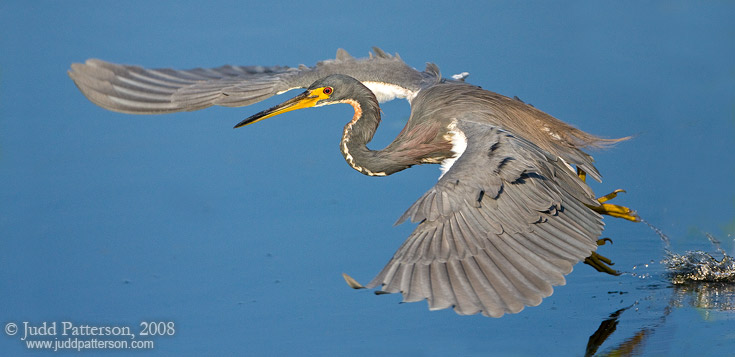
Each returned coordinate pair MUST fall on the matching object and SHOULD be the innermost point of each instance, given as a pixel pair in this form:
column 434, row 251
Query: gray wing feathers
column 137, row 90
column 501, row 250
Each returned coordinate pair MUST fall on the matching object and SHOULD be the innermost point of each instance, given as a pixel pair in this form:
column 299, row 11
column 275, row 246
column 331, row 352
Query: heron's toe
column 601, row 263
column 615, row 210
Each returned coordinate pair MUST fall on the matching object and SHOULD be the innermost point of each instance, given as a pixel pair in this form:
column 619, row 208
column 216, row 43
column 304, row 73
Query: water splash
column 700, row 266
column 664, row 237
column 697, row 266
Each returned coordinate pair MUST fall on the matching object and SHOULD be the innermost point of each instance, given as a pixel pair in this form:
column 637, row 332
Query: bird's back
column 461, row 101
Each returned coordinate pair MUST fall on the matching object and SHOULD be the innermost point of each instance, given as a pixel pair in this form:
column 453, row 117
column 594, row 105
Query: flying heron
column 511, row 212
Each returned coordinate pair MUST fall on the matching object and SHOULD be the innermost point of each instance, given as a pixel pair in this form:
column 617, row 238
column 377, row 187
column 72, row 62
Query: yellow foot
column 610, row 209
column 610, row 196
column 615, row 210
column 599, row 262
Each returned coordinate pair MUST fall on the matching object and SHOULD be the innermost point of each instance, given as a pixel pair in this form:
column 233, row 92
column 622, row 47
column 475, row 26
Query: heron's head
column 335, row 88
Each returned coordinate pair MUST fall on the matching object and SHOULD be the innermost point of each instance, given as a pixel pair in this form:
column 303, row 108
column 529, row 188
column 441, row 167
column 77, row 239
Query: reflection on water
column 632, row 345
column 697, row 279
column 708, row 296
column 629, row 347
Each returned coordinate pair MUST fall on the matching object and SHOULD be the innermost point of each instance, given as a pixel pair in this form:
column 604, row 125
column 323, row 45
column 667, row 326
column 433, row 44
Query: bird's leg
column 582, row 175
column 599, row 262
column 615, row 210
column 611, row 209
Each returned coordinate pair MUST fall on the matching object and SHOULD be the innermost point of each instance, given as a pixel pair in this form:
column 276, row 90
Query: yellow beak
column 307, row 99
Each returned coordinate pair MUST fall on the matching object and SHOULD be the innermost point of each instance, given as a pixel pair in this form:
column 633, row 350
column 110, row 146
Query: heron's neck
column 358, row 133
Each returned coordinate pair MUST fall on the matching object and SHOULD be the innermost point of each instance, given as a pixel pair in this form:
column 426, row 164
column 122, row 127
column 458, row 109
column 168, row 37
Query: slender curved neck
column 358, row 133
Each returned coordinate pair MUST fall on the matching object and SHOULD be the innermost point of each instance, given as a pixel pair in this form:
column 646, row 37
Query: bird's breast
column 459, row 144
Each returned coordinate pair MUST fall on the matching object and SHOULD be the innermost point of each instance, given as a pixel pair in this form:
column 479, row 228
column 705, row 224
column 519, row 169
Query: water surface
column 240, row 237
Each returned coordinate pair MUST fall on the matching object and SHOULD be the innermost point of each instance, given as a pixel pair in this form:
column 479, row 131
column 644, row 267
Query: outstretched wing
column 497, row 232
column 137, row 90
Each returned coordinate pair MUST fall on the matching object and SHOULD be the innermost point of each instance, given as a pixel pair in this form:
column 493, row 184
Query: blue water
column 240, row 237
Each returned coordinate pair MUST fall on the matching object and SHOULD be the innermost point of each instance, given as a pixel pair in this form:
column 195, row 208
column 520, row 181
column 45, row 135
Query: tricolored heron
column 511, row 212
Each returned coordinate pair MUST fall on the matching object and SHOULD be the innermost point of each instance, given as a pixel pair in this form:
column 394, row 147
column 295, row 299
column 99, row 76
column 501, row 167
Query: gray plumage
column 137, row 90
column 500, row 228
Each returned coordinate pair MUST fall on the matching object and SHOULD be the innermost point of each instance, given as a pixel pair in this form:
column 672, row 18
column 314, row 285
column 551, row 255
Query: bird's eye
column 327, row 90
